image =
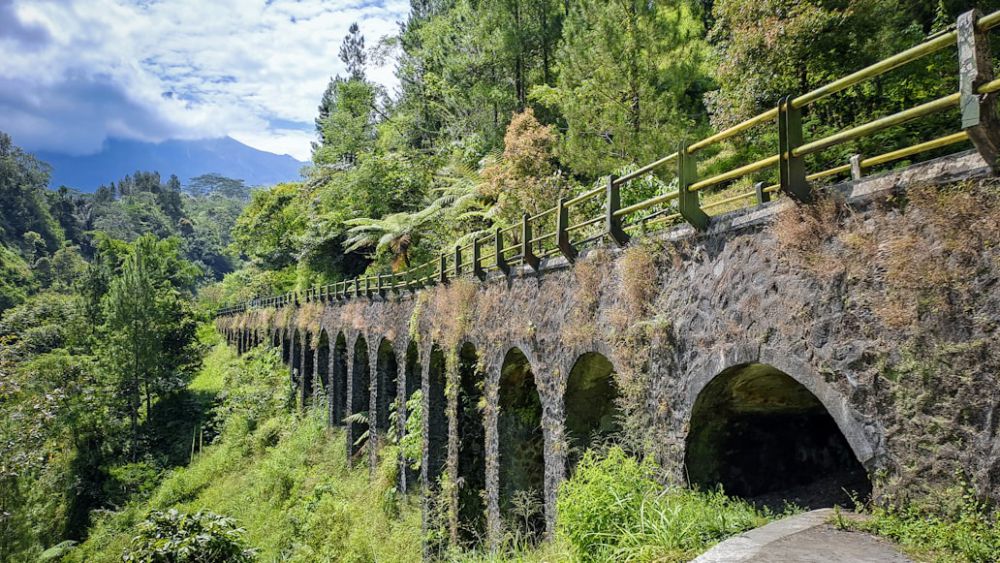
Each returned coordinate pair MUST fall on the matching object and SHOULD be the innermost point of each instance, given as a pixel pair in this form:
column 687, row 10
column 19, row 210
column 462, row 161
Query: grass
column 284, row 478
column 286, row 482
column 954, row 528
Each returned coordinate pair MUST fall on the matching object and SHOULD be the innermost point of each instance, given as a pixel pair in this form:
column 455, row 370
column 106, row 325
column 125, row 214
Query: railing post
column 443, row 273
column 975, row 64
column 612, row 205
column 357, row 287
column 477, row 259
column 762, row 196
column 687, row 201
column 791, row 168
column 856, row 172
column 380, row 284
column 501, row 261
column 526, row 252
column 458, row 260
column 562, row 236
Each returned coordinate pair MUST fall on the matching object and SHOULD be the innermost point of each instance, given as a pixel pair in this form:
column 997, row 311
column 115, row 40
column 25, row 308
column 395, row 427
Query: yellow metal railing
column 535, row 239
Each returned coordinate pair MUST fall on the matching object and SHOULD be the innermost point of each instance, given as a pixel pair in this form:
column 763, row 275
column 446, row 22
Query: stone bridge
column 782, row 352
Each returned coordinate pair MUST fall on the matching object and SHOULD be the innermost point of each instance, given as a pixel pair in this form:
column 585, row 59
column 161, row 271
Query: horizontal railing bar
column 732, row 131
column 877, row 125
column 646, row 204
column 588, row 223
column 540, row 238
column 584, row 196
column 722, row 202
column 735, row 173
column 648, row 168
column 918, row 148
column 913, row 53
column 542, row 214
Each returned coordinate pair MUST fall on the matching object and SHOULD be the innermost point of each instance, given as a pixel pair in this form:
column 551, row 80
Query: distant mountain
column 186, row 159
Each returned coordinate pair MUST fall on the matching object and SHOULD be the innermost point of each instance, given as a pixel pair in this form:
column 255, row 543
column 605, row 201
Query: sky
column 76, row 72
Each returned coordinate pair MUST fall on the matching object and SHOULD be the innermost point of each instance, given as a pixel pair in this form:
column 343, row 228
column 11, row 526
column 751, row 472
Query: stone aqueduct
column 708, row 350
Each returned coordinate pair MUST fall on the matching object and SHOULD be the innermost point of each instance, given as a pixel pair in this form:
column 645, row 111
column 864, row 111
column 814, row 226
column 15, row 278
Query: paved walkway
column 804, row 538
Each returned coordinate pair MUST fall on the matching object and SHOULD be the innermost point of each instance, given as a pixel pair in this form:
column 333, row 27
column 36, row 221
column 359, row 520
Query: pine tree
column 352, row 52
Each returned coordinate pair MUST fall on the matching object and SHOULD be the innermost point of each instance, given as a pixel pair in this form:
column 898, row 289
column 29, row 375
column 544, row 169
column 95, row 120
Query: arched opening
column 387, row 372
column 411, row 375
column 323, row 370
column 294, row 355
column 472, row 449
column 763, row 436
column 522, row 452
column 437, row 421
column 591, row 405
column 360, row 395
column 286, row 347
column 308, row 371
column 276, row 339
column 338, row 387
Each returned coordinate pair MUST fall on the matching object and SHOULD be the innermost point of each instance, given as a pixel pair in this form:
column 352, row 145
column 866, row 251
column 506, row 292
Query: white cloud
column 75, row 72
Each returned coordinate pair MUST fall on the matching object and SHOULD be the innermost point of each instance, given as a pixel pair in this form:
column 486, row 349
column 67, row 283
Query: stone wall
column 882, row 300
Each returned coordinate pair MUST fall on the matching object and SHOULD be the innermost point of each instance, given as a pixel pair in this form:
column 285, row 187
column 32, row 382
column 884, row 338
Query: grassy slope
column 287, row 483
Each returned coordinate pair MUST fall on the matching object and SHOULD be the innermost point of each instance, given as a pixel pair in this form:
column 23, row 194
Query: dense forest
column 503, row 106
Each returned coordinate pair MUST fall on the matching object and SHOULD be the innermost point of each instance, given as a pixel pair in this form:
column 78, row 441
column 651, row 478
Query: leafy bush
column 174, row 537
column 613, row 509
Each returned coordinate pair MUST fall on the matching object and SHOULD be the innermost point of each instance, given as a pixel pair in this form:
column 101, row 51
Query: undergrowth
column 956, row 528
column 282, row 477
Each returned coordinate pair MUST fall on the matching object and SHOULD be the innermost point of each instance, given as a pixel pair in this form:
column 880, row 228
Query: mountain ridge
column 186, row 159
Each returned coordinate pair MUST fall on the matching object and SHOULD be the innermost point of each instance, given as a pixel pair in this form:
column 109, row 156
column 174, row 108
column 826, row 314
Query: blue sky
column 76, row 72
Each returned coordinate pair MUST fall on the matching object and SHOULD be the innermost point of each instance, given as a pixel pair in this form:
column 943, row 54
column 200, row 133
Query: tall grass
column 284, row 477
column 615, row 509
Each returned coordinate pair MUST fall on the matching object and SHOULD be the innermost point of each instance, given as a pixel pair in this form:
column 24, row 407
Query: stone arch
column 435, row 418
column 322, row 379
column 338, row 384
column 521, row 443
column 307, row 371
column 387, row 373
column 360, row 393
column 411, row 383
column 590, row 404
column 286, row 347
column 276, row 338
column 761, row 434
column 471, row 448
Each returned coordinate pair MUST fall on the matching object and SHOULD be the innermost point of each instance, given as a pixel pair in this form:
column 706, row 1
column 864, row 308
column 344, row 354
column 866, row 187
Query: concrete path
column 805, row 538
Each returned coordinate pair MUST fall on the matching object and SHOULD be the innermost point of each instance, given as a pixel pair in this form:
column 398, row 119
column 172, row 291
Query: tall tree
column 352, row 52
column 631, row 75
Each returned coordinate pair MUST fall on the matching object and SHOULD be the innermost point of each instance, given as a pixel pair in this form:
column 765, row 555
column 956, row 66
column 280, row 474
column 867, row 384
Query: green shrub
column 613, row 509
column 174, row 537
column 959, row 527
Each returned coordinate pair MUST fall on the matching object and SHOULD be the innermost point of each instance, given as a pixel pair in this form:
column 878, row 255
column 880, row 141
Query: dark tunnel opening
column 592, row 418
column 387, row 372
column 411, row 375
column 522, row 447
column 472, row 450
column 763, row 436
column 437, row 420
column 338, row 385
column 360, row 396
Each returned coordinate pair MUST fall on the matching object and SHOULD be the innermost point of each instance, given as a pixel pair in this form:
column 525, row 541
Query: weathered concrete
column 673, row 312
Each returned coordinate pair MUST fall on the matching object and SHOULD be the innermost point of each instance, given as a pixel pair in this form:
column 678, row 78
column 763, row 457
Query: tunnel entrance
column 360, row 389
column 338, row 385
column 472, row 449
column 592, row 418
column 322, row 394
column 521, row 445
column 763, row 436
column 411, row 378
column 437, row 421
column 386, row 370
